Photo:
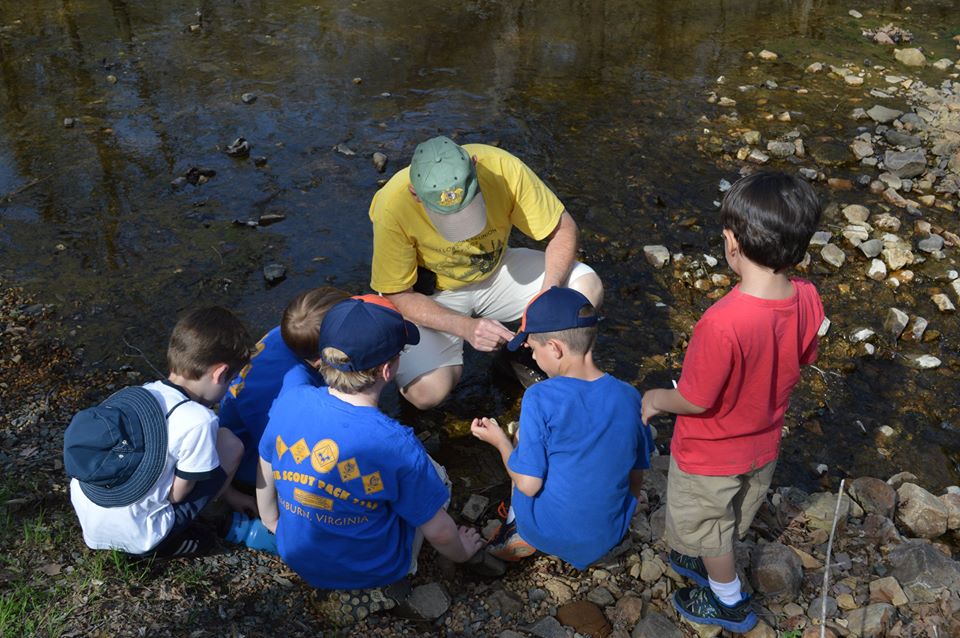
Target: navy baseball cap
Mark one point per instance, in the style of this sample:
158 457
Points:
368 329
117 449
550 311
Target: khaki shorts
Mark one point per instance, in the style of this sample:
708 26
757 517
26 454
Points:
501 296
704 513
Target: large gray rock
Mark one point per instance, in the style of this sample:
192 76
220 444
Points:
952 503
899 138
883 114
548 627
874 495
656 625
905 163
429 601
871 621
819 509
871 248
920 513
776 570
923 571
504 602
833 255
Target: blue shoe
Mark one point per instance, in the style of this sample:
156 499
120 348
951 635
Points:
691 567
252 533
701 605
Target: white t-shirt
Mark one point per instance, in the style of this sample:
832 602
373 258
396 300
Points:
191 450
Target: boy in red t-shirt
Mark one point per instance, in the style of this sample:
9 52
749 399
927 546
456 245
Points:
742 363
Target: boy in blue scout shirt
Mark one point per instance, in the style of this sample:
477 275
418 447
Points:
290 346
577 466
349 491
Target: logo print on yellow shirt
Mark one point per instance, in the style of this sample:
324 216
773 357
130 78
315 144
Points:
325 455
281 448
451 197
300 451
348 470
312 500
372 483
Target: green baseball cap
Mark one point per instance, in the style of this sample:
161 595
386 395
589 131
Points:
444 177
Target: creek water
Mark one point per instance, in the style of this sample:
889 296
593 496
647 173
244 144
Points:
603 99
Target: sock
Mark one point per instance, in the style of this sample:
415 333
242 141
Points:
512 515
728 593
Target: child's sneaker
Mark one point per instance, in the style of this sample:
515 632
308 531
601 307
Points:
507 544
701 605
691 567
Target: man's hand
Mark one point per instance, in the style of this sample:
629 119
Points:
471 540
489 431
486 335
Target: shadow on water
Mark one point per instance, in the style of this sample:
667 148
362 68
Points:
601 98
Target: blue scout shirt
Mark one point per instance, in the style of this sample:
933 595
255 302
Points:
582 438
352 487
244 408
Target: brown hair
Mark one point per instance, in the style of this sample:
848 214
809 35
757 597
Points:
346 381
208 336
300 325
578 340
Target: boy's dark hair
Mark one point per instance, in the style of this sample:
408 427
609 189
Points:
772 216
578 340
206 337
300 325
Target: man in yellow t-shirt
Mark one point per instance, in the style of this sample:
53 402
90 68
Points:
440 233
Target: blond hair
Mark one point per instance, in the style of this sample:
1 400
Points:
345 380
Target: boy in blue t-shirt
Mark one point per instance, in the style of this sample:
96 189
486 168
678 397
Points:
581 444
349 491
291 346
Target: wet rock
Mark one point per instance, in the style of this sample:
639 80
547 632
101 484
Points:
727 102
627 611
657 256
559 591
856 233
931 244
897 255
69 122
585 618
883 114
379 161
239 148
816 67
923 571
198 176
652 569
751 137
112 79
260 161
861 149
548 627
871 248
952 502
871 621
877 270
920 513
855 213
776 570
860 335
767 55
886 222
943 64
274 273
874 496
248 98
910 57
429 601
268 219
824 327
758 157
917 328
891 181
816 605
943 302
656 625
899 138
819 508
343 149
474 507
893 197
924 361
895 323
821 238
905 163
833 255
600 596
887 590
781 149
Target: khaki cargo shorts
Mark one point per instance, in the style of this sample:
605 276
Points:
704 513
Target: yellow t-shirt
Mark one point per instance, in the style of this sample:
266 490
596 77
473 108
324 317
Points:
404 238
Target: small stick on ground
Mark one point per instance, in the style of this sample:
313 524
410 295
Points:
826 567
140 354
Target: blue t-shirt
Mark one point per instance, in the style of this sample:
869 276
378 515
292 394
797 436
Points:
352 487
244 408
582 438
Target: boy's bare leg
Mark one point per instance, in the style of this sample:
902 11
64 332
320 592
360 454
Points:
721 569
230 451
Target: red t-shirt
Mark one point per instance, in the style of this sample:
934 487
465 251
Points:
742 363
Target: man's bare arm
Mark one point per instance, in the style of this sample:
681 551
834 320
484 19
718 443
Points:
484 335
561 251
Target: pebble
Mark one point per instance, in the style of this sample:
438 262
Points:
861 334
274 273
883 114
871 247
821 238
248 98
758 157
896 322
855 213
924 361
833 255
781 149
910 57
943 302
905 163
379 161
931 244
69 122
853 13
768 55
877 270
239 148
853 80
657 256
824 327
943 64
861 149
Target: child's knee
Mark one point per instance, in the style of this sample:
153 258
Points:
229 449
